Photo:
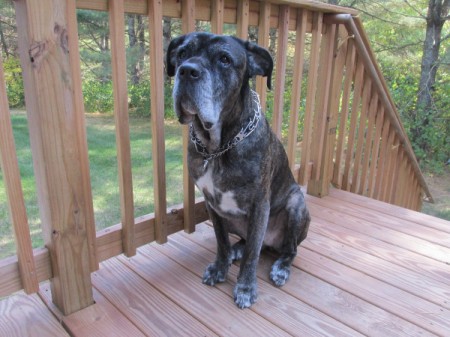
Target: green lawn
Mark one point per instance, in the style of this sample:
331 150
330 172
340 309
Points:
103 164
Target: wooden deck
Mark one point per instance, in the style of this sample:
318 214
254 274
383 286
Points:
366 268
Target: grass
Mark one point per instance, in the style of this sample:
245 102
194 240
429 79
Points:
439 185
103 167
105 188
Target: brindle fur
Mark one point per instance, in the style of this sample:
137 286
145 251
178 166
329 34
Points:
249 190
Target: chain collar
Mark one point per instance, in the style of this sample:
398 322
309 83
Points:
244 133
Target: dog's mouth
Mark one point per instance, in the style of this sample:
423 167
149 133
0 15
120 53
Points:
185 111
188 111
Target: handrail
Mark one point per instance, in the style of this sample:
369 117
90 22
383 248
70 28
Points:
370 64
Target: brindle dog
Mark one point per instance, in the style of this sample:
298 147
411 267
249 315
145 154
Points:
235 159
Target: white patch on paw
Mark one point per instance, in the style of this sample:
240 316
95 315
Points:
279 275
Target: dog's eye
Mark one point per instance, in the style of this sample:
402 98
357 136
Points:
225 60
181 54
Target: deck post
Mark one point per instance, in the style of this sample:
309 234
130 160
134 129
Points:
48 45
325 118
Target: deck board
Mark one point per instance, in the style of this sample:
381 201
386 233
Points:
275 305
26 315
366 268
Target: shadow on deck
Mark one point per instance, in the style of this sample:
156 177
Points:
366 268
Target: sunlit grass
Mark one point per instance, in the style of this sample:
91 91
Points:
103 172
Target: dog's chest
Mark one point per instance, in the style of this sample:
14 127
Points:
223 201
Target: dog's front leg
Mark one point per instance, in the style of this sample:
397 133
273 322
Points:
245 291
216 272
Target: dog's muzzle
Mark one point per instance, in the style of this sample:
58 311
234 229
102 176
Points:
193 96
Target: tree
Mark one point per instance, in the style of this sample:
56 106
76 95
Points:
136 51
93 31
437 15
408 40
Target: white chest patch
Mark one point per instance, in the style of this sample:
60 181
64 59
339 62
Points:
205 182
228 204
225 201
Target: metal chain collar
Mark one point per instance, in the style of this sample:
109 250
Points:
244 133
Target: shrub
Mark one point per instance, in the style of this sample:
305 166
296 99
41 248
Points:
98 96
14 82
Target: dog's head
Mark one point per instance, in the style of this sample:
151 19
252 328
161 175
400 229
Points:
210 72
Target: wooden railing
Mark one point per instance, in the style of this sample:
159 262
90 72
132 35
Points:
351 135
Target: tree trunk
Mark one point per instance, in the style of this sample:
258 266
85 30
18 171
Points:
132 38
437 12
3 42
167 36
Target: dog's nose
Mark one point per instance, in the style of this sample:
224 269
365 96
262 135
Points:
189 71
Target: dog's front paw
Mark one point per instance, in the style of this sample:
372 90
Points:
280 273
213 274
245 295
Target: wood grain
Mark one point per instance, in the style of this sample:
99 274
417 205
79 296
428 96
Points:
325 117
140 300
274 304
120 92
280 67
242 21
26 315
217 13
58 142
299 59
205 303
263 41
342 133
188 25
341 305
9 168
157 115
310 95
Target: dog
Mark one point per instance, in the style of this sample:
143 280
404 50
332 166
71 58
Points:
235 159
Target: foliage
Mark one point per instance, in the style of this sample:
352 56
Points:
98 96
396 30
139 98
14 82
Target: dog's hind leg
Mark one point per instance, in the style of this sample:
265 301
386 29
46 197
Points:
298 223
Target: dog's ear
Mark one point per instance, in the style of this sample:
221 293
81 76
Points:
259 62
171 56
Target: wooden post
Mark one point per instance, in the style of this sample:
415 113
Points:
119 74
368 154
157 114
312 86
48 45
243 12
263 41
342 135
217 9
361 134
324 121
375 161
278 105
16 203
358 82
299 58
188 17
